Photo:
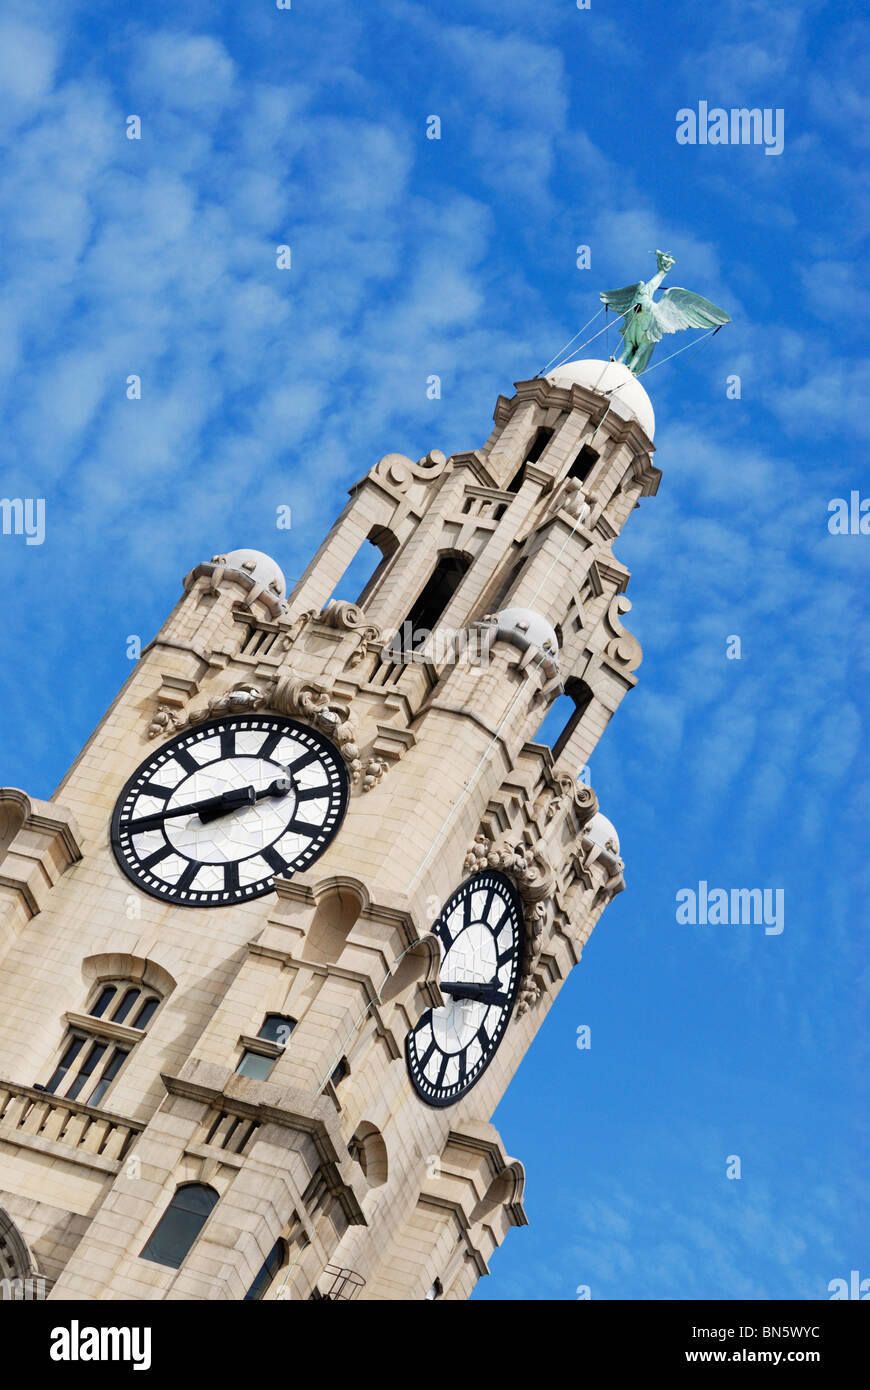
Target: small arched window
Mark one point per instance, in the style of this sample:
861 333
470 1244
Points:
90 1056
538 443
276 1257
583 463
367 1148
173 1236
366 568
564 715
431 602
579 692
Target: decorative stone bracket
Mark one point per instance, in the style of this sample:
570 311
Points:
532 871
623 649
349 617
39 841
535 878
309 701
564 791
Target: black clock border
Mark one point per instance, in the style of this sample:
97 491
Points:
440 1102
227 721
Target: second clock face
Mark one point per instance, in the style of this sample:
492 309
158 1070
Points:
219 810
480 929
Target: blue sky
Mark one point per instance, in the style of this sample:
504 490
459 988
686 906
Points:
414 257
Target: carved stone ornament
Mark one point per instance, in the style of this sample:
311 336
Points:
288 695
564 791
623 649
249 566
351 618
373 772
242 699
400 472
572 499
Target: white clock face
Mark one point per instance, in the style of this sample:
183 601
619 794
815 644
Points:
218 811
480 930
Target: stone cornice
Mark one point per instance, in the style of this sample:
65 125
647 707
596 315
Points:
45 842
216 571
118 1032
541 392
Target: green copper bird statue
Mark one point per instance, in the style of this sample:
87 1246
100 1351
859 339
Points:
647 320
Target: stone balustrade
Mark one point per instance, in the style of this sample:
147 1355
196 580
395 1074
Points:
25 1110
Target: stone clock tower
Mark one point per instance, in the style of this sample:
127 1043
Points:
272 953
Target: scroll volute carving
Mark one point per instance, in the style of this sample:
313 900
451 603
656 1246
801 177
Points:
623 649
400 472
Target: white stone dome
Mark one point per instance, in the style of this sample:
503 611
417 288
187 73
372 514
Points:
602 832
259 566
622 388
526 628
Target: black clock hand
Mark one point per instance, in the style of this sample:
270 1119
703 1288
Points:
215 806
243 796
484 992
158 817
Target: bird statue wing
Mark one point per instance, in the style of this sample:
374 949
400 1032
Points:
620 300
678 309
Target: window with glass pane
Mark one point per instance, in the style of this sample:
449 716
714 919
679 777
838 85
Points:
87 1068
254 1064
107 993
126 1004
110 1071
268 1270
180 1224
277 1028
89 1063
61 1071
144 1016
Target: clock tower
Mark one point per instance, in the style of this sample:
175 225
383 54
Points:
272 953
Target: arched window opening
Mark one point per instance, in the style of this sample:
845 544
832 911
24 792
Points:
366 569
432 601
172 1238
564 715
16 1262
128 1000
584 463
90 1058
541 439
334 918
495 600
276 1257
275 1031
538 444
367 1148
14 810
107 993
518 479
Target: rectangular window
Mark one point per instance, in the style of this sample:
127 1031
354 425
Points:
66 1061
255 1064
110 1071
87 1068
